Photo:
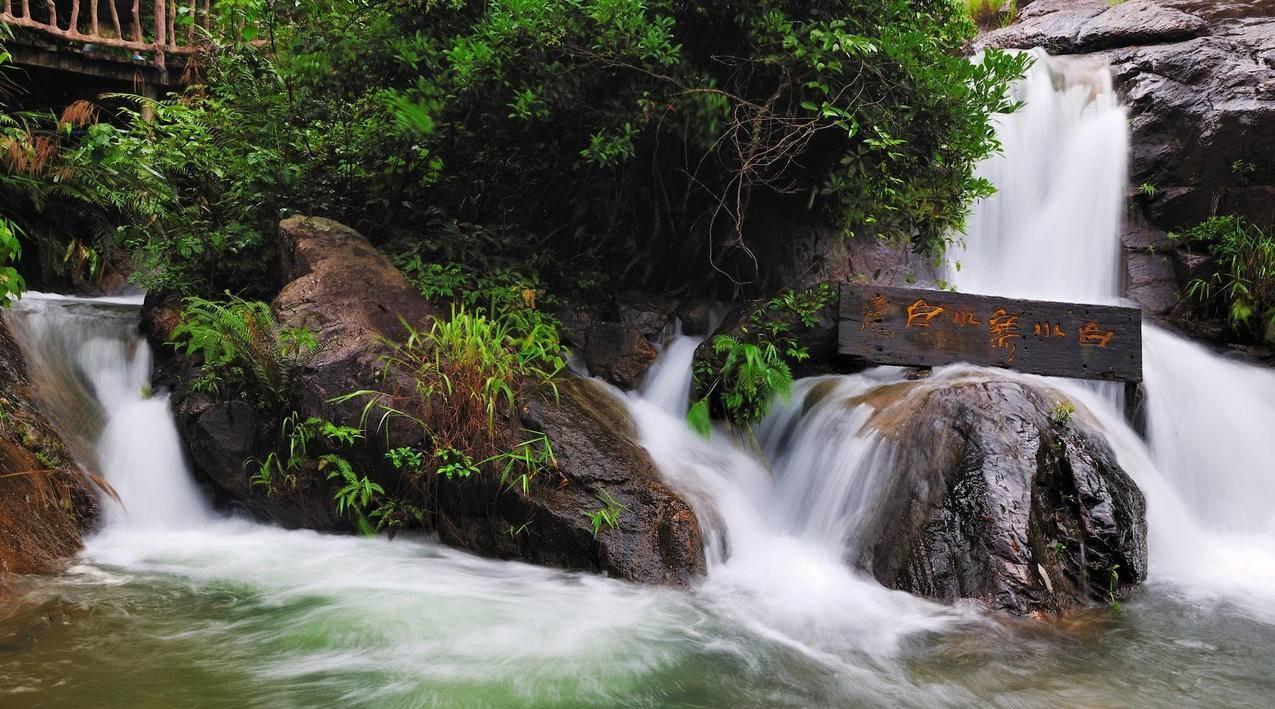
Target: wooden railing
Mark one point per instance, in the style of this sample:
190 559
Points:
154 28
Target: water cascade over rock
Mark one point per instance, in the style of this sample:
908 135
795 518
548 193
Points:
1207 474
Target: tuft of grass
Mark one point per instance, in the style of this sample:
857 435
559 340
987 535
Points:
989 14
1243 288
459 383
608 515
1063 413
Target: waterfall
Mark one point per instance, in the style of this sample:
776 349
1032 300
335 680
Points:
668 383
1048 231
94 378
1053 232
778 515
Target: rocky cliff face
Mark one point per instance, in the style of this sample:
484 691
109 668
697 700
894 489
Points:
1198 77
352 297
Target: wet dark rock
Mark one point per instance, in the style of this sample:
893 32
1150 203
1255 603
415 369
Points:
618 353
658 540
997 496
1077 26
699 316
614 338
645 313
1151 276
224 436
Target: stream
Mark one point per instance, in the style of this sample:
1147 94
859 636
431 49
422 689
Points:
171 604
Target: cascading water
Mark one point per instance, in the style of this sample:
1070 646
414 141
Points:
1048 231
95 378
230 613
1053 232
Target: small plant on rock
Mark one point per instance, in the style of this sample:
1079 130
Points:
1063 413
608 515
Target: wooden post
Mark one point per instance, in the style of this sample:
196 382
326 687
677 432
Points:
74 27
26 9
137 20
53 14
172 24
161 18
194 20
93 23
149 94
115 19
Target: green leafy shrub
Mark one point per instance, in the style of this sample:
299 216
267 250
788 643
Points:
243 346
1243 288
11 284
638 138
750 369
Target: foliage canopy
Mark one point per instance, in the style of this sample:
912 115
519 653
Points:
651 141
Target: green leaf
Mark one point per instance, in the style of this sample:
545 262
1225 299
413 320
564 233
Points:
698 419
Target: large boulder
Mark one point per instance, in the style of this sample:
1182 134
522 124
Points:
352 297
46 499
614 339
998 493
355 301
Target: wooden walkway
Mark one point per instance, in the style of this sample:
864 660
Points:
109 39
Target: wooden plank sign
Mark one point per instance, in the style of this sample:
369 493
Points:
924 328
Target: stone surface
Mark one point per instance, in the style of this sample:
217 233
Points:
348 293
46 499
615 338
658 539
1076 26
353 298
993 497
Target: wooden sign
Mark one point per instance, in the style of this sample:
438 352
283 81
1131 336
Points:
924 328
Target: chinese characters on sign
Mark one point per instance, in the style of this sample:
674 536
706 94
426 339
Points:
1003 327
912 327
874 318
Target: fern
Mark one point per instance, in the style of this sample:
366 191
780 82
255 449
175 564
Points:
241 338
